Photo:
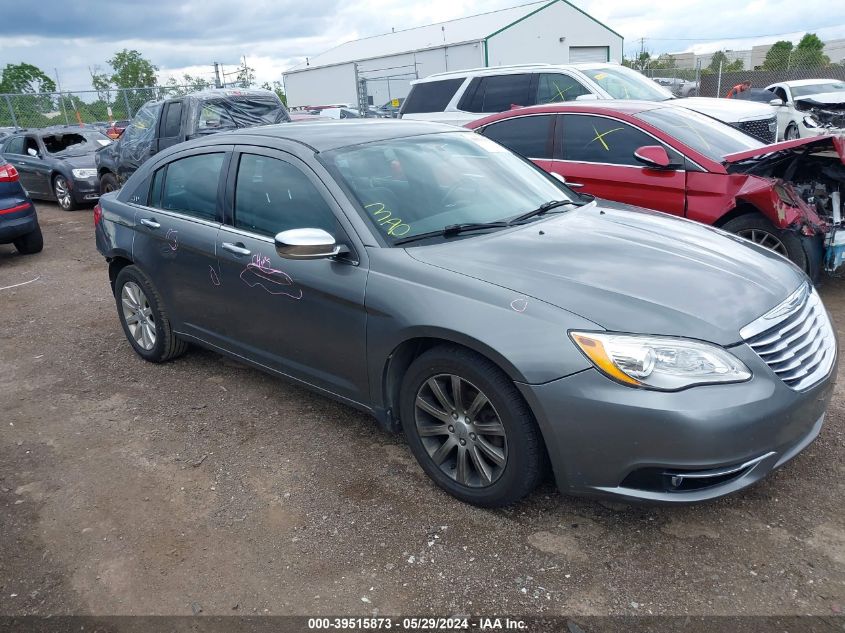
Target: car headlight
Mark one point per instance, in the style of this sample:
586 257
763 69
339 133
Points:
664 363
84 173
811 122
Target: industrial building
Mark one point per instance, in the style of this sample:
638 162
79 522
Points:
551 32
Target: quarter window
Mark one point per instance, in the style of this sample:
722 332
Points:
272 195
592 139
190 186
530 136
557 88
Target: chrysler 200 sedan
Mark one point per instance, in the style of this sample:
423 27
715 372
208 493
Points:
505 323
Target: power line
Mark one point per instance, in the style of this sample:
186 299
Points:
738 37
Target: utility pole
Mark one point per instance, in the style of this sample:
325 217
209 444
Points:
217 83
61 98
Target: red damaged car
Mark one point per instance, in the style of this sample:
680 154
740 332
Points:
784 196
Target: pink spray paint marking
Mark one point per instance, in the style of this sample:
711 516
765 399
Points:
259 272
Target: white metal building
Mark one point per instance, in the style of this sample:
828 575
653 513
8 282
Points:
551 32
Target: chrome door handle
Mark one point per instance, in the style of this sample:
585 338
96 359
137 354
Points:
150 223
237 250
574 185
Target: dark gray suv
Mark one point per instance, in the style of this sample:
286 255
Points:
429 276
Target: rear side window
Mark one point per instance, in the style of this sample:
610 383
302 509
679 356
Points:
431 96
172 119
593 139
190 186
497 93
530 136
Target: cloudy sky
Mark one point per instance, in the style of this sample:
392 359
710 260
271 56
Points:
188 35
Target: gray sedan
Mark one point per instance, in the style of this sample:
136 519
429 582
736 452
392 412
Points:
505 323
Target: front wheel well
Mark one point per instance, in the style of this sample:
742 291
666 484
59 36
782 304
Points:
743 208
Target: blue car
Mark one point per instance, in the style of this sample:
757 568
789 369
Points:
18 220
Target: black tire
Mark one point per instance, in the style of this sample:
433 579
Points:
166 346
30 243
524 451
755 224
108 182
791 132
64 197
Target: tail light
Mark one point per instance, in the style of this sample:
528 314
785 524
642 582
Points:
98 214
8 173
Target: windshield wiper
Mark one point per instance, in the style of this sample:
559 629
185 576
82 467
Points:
543 208
454 229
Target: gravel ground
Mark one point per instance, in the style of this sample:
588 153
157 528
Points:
131 488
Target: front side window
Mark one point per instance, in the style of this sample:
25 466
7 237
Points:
593 139
529 136
624 83
409 186
431 96
557 88
190 185
272 195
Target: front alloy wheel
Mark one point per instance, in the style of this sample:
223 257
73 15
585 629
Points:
138 315
63 193
461 430
765 239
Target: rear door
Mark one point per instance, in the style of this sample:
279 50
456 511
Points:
498 93
303 318
598 153
531 136
176 232
14 153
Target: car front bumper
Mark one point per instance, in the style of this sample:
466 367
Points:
85 189
607 439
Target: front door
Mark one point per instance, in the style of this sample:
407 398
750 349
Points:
304 318
598 153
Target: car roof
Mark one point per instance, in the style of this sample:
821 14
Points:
517 68
807 82
328 135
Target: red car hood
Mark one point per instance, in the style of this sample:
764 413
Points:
820 143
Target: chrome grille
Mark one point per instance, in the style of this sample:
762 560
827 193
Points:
795 339
764 129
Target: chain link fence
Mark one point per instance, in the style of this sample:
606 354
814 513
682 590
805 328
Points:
37 110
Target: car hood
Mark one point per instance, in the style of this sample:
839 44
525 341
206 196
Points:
629 270
728 110
832 146
77 161
824 99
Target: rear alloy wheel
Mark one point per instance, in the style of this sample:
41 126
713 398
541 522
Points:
142 316
64 195
469 428
755 228
791 133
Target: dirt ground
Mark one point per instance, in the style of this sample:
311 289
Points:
205 486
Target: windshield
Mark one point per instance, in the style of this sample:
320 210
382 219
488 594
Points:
410 186
819 88
231 113
81 142
707 136
623 83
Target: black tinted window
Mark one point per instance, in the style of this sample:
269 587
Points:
431 96
501 92
593 139
14 145
273 196
557 88
530 136
172 119
190 185
155 189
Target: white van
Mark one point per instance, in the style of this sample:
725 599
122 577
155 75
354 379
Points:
466 95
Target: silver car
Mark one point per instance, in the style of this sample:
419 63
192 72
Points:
430 277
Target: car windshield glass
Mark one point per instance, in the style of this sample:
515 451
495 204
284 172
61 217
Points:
410 186
230 113
819 88
707 136
74 142
624 83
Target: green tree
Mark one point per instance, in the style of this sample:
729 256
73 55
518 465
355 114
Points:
131 70
246 75
189 84
718 61
778 56
25 78
809 53
276 87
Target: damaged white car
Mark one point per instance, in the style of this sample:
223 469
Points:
810 107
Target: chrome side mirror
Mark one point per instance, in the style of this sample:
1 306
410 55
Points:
777 102
307 244
32 152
